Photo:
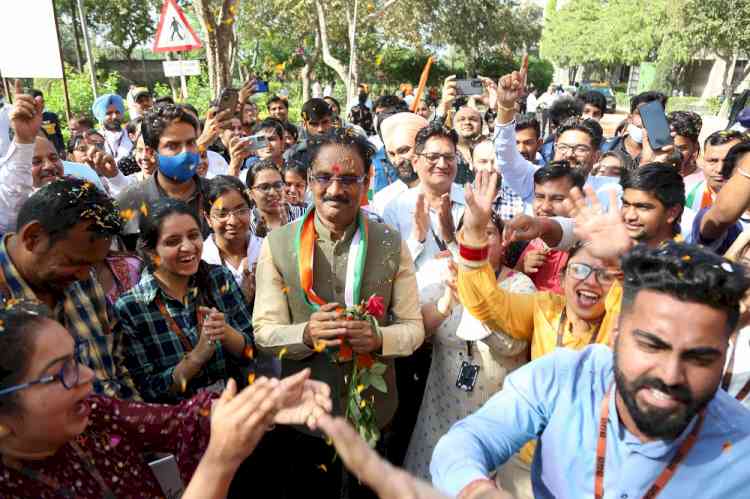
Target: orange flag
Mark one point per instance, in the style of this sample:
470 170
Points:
422 84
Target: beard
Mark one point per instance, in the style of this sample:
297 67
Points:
113 125
662 424
405 171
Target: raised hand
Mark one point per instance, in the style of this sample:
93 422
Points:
421 219
215 123
101 162
533 260
303 400
247 90
604 232
445 216
511 88
521 228
449 94
238 153
26 116
479 207
491 88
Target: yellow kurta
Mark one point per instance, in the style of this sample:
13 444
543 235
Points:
533 317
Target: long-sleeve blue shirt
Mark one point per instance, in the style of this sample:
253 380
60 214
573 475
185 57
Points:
558 399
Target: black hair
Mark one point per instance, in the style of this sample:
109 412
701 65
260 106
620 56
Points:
78 137
733 156
220 185
292 129
687 272
163 100
18 321
661 180
559 169
338 105
276 98
150 230
160 118
83 119
722 137
645 98
191 108
270 124
593 98
36 93
626 161
587 126
563 109
257 167
134 125
294 167
64 203
686 123
390 102
434 130
526 121
343 137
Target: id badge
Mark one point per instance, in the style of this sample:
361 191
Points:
467 376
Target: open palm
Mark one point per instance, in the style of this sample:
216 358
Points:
479 200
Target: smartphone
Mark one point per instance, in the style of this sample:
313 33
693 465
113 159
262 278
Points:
655 122
255 142
261 86
469 87
228 99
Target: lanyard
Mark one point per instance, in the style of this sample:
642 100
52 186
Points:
727 379
561 329
174 327
666 474
53 483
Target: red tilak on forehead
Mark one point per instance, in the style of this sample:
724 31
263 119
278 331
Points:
336 168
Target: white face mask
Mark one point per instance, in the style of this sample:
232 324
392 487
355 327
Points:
635 133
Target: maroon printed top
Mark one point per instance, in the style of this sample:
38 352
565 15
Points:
118 434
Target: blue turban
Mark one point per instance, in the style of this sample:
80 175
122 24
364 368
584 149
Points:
103 102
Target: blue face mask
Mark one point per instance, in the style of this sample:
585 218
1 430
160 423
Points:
179 168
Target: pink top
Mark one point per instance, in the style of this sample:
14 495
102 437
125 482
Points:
548 276
118 434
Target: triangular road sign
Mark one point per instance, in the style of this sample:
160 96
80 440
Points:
174 33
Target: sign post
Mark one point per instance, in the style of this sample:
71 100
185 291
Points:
174 34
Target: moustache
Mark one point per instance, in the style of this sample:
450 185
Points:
336 199
679 392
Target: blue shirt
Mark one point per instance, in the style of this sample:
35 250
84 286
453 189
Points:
720 245
384 173
558 398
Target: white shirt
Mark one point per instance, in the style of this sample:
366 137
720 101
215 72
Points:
16 183
4 129
387 194
118 144
217 165
118 183
211 255
531 103
399 213
741 366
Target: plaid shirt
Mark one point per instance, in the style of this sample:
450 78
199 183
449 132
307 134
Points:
507 203
83 312
152 350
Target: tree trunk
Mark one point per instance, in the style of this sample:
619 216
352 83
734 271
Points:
728 84
310 60
76 37
328 58
220 41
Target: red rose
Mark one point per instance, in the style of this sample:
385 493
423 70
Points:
375 306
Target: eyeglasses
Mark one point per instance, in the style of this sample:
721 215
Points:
434 157
579 149
68 375
582 271
223 215
324 180
266 188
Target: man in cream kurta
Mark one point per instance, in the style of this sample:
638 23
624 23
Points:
284 321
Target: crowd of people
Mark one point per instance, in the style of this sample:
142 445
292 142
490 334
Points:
516 304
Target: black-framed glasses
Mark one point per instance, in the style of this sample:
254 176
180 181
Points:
434 157
68 375
266 188
582 271
579 149
325 180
